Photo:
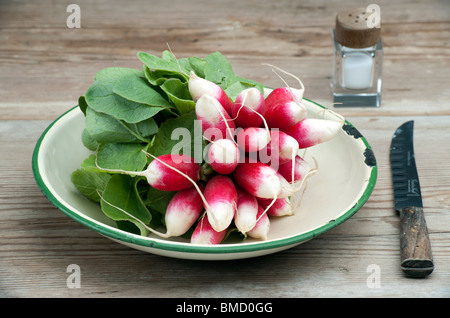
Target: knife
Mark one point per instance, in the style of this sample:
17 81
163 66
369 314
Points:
415 248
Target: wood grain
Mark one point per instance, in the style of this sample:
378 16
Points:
415 247
44 67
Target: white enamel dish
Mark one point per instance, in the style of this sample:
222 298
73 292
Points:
345 180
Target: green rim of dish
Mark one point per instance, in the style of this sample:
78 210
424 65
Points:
126 237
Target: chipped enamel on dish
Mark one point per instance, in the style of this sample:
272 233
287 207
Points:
346 177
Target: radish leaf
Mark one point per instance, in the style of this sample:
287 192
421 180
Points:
89 182
179 135
128 157
121 191
137 89
101 98
179 95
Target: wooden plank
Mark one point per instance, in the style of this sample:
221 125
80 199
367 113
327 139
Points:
42 242
69 64
31 46
399 96
118 13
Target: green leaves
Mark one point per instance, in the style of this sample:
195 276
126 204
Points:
136 89
182 135
167 64
113 74
179 95
121 194
103 128
218 70
128 157
119 107
89 182
101 98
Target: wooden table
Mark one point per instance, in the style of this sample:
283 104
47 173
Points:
45 66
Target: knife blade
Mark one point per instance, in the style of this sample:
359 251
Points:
415 247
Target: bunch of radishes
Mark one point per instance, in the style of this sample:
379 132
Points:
244 189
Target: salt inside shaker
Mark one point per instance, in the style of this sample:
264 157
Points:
358 57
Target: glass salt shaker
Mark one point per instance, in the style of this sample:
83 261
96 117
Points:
358 57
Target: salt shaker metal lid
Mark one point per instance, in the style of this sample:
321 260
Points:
353 30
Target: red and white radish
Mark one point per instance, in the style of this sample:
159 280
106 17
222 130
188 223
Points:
283 94
160 176
262 226
183 211
281 148
313 131
246 212
199 86
281 207
258 179
294 171
248 108
221 195
171 172
205 234
285 114
214 119
252 139
223 156
287 189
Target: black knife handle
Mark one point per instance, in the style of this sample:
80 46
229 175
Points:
415 247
